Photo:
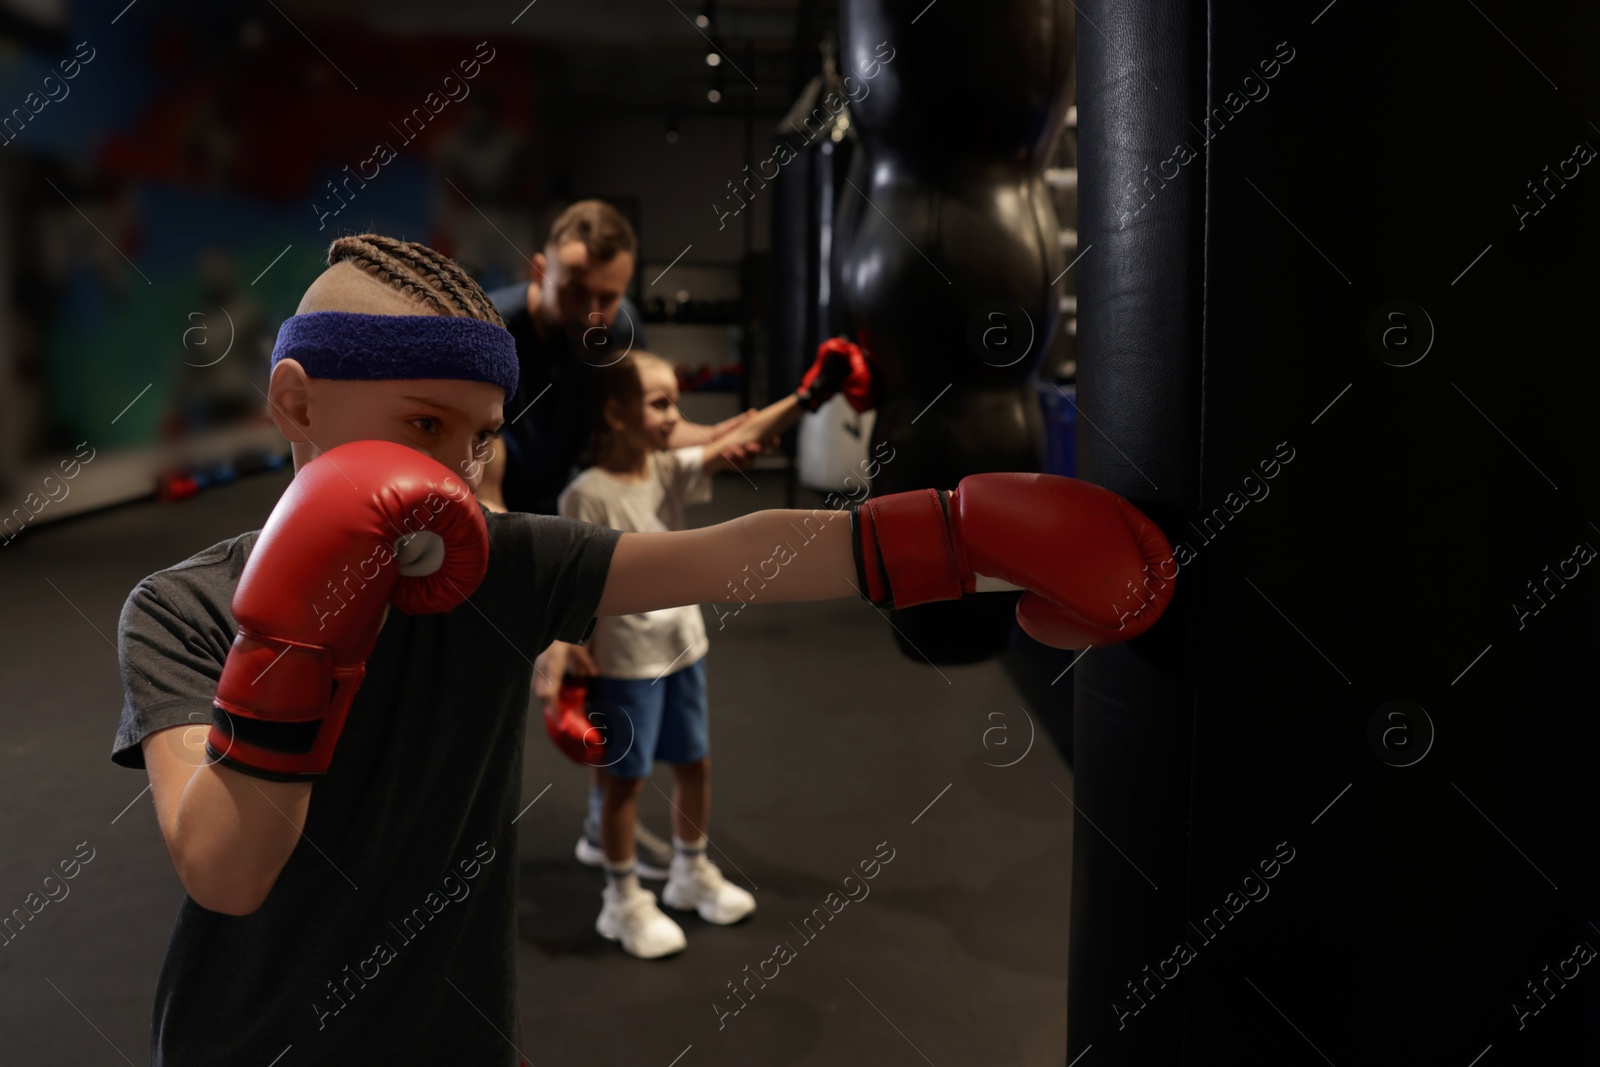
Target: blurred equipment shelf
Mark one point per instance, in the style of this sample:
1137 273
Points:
43 494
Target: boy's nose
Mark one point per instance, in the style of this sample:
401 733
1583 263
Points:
465 463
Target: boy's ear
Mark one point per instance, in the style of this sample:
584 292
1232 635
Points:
289 400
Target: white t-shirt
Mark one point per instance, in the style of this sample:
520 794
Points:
668 639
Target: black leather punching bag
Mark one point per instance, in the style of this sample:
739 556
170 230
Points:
948 244
1337 336
806 192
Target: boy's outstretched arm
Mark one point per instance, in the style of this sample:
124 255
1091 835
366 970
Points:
1096 570
799 555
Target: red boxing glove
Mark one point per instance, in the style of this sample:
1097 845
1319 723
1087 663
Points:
840 367
1095 570
361 526
570 729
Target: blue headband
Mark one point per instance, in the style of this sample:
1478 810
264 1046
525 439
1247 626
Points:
352 346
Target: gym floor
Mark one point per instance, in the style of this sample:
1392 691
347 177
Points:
829 748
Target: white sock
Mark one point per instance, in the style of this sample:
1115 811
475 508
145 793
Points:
622 877
689 849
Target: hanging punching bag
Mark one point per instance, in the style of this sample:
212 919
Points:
947 245
1340 807
831 445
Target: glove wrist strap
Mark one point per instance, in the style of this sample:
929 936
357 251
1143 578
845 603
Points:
807 399
280 707
870 578
903 549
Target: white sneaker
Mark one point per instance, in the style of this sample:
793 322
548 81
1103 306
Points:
644 929
699 886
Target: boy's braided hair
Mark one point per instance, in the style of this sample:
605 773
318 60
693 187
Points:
424 275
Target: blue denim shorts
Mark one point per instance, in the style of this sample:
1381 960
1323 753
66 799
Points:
647 721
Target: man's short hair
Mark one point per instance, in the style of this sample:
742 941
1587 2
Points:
602 229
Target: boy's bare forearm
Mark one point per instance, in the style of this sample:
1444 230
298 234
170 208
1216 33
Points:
240 830
763 557
789 555
229 833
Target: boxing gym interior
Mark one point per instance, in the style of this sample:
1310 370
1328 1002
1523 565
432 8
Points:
1308 288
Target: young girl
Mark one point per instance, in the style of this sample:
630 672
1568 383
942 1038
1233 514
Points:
651 683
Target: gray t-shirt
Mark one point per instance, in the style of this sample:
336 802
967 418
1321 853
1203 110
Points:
390 935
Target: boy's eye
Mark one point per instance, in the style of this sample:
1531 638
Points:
430 425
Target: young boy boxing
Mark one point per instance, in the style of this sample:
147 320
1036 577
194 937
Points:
336 782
